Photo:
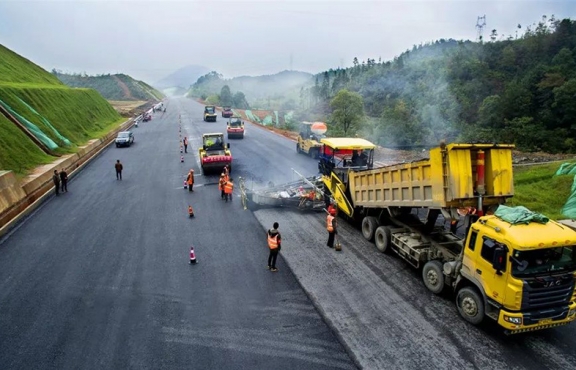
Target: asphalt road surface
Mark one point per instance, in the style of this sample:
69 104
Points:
98 278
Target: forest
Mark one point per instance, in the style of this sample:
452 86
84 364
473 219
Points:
519 90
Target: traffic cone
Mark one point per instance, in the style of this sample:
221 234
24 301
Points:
181 150
190 211
182 158
192 256
337 245
185 185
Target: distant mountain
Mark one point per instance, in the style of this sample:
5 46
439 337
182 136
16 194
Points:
183 77
112 87
258 87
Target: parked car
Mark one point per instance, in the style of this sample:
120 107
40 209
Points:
124 138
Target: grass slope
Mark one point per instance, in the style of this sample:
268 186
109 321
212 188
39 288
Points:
536 188
17 152
16 69
77 114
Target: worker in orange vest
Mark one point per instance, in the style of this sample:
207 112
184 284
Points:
228 188
331 227
274 241
190 180
221 184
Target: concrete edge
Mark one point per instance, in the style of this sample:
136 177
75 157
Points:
322 313
80 164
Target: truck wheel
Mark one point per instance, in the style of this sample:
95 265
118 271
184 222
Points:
382 238
470 305
298 150
369 226
433 276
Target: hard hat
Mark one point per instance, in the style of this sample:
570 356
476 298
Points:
223 174
332 211
191 170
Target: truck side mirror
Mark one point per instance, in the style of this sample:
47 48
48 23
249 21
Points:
499 260
227 145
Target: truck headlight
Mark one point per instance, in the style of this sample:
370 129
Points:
572 312
513 320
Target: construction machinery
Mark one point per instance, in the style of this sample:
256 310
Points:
309 138
215 153
227 112
210 113
520 275
303 194
235 128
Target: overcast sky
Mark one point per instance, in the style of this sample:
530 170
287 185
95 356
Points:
150 39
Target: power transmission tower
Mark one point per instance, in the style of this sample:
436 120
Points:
480 24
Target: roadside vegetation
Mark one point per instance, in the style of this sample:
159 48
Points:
69 117
537 188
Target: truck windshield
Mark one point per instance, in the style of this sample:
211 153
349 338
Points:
542 261
209 110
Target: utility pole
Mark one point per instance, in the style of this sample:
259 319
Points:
480 24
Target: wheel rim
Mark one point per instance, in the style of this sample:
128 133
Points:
469 306
432 277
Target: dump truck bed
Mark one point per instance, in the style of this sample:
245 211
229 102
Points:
448 179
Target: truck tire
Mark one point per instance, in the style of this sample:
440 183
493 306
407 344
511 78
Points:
382 238
369 226
433 276
470 305
314 153
298 149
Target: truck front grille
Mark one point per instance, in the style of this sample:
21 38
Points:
548 291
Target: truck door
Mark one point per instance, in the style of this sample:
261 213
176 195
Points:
493 281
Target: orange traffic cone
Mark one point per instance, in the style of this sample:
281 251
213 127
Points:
185 185
190 211
182 158
192 256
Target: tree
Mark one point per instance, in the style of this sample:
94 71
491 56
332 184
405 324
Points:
348 112
239 101
226 96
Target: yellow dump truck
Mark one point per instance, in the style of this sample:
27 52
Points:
520 275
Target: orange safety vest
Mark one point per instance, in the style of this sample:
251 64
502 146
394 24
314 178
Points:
329 225
226 177
190 179
228 187
221 184
273 241
190 210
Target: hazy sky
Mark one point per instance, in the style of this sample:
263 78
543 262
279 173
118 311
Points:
150 39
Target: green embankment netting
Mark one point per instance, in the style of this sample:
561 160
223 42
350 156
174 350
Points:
268 121
64 140
31 127
251 116
519 215
569 208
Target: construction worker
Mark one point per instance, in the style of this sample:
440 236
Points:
226 172
190 211
331 227
190 180
185 142
221 184
228 188
274 241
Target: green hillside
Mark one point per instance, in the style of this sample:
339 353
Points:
112 87
518 89
62 117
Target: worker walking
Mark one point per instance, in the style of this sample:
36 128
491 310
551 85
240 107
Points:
221 184
185 141
64 181
56 180
228 188
190 180
274 241
119 169
331 227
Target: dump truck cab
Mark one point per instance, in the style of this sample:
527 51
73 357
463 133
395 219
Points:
309 137
210 113
215 153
